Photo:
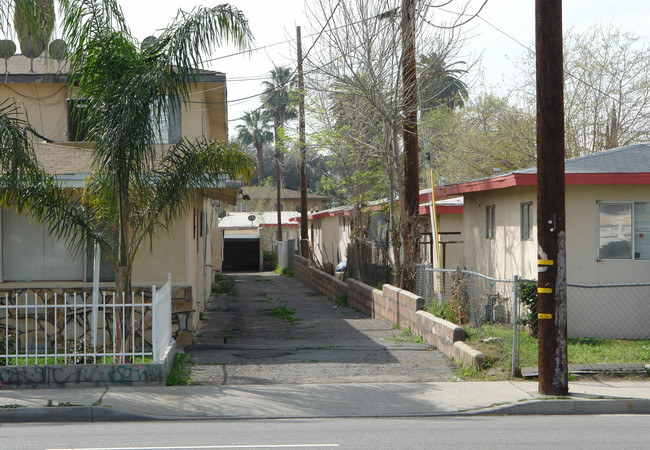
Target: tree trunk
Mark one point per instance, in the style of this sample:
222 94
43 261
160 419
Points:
260 163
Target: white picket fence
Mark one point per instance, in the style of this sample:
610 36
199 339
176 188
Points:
74 329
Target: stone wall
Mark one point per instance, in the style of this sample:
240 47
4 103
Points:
69 326
395 306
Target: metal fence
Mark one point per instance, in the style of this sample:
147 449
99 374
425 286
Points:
64 329
607 324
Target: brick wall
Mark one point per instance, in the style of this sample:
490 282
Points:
394 306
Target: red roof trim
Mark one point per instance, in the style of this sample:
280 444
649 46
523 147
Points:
530 179
441 209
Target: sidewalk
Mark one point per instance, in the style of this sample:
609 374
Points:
322 360
318 401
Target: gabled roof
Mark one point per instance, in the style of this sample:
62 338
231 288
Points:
620 166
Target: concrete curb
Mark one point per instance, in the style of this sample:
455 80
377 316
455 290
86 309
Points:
70 414
79 414
569 407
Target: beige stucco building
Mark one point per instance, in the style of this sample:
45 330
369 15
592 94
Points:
32 258
607 236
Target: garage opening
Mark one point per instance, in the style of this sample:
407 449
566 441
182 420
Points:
241 253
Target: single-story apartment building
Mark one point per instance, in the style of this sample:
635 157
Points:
607 235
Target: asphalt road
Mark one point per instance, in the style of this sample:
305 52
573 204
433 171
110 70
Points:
552 432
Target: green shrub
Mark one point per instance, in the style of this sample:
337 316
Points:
270 260
445 311
528 297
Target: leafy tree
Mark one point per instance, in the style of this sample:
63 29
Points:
135 190
255 131
472 142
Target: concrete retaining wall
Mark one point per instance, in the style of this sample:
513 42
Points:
395 306
87 375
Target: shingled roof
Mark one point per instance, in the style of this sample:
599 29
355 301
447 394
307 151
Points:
623 165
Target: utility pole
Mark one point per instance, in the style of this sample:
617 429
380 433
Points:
410 135
304 237
552 301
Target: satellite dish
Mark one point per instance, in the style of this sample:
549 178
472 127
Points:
58 49
298 208
252 218
147 42
7 49
223 213
31 48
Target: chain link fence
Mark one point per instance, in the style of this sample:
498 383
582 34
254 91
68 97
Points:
607 324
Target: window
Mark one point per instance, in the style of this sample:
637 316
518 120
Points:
168 128
526 225
624 230
29 253
489 222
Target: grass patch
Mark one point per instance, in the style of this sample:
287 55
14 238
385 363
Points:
53 360
342 300
286 314
180 373
224 284
579 351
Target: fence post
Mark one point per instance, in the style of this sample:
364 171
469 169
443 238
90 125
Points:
515 330
154 322
471 300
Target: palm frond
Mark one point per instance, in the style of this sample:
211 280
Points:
16 152
188 166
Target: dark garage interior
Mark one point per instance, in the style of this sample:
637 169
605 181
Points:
241 254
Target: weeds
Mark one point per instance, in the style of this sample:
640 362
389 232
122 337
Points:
284 271
286 314
224 284
406 335
180 373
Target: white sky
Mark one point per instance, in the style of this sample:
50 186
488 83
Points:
274 22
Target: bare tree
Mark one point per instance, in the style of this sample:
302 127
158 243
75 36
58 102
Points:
607 89
355 81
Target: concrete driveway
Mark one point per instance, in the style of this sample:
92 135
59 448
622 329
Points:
275 330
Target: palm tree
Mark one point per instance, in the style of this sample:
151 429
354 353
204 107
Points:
136 189
276 98
440 83
255 131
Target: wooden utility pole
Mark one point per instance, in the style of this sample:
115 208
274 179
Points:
278 186
304 236
410 135
552 301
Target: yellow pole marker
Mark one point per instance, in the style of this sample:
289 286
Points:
544 262
543 290
544 316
